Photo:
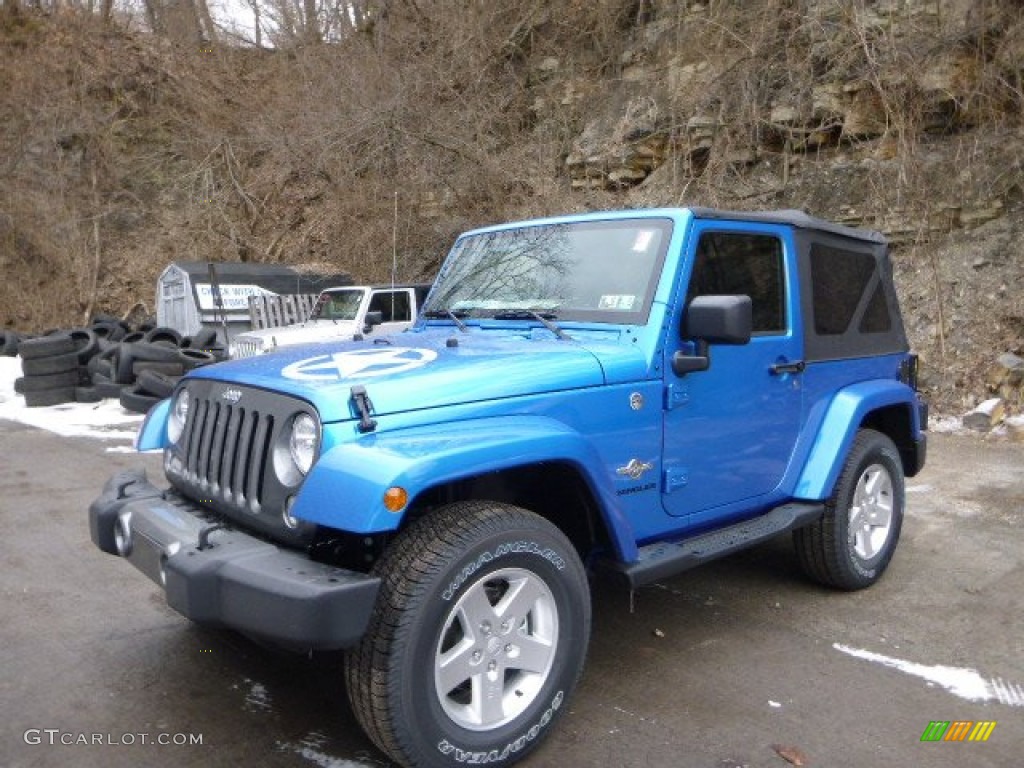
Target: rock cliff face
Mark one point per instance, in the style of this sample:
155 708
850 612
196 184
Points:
123 152
901 116
706 93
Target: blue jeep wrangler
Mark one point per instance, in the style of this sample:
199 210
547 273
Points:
632 393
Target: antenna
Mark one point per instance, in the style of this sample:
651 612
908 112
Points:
394 243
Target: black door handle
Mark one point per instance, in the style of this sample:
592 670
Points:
794 367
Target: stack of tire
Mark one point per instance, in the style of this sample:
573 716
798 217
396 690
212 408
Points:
110 359
51 368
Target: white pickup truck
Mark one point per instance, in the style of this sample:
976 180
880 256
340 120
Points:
339 314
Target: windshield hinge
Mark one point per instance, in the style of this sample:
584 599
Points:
677 393
363 404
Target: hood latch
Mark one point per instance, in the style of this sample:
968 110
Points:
362 402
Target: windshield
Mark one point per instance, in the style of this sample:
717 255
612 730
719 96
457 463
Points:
338 304
601 271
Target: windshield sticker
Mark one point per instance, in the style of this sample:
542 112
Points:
361 364
612 301
643 240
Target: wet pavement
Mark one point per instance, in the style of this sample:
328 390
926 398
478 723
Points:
724 666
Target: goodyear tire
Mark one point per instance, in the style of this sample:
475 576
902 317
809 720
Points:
851 545
478 639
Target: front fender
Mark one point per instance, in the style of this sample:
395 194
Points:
345 489
152 435
844 416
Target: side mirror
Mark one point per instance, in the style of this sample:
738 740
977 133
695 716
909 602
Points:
719 319
713 320
372 318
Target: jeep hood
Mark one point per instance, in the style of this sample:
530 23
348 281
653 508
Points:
415 371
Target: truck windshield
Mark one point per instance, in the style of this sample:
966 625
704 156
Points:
600 271
338 304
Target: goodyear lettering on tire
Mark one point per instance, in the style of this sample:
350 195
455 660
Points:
470 757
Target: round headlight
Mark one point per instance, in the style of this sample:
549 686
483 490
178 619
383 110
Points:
179 415
303 442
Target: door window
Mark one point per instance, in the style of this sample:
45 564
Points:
731 264
393 306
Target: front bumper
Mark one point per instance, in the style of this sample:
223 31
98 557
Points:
220 576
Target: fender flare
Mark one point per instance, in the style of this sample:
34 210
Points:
842 419
345 488
152 435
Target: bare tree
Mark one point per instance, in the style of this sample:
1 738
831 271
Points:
257 25
209 29
310 22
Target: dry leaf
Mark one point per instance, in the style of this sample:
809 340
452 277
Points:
791 754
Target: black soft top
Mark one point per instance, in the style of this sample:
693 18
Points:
794 218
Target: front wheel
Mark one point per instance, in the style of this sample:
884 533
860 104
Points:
478 639
852 544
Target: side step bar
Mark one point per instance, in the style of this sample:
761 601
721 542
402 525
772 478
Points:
663 559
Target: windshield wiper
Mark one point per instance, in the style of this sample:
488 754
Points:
455 317
527 314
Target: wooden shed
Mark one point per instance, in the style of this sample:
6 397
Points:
186 301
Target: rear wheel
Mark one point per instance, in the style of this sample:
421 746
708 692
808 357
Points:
478 639
852 544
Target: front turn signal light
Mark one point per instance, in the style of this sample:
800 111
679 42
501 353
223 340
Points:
395 499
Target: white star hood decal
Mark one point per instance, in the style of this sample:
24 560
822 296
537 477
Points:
358 364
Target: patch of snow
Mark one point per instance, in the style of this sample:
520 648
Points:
258 698
311 747
105 420
946 424
965 683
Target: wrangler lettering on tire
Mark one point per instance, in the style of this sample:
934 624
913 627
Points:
496 599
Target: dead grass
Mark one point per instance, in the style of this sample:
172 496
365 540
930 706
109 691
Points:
121 151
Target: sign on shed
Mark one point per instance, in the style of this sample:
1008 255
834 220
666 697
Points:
185 297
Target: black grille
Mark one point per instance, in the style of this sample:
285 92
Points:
224 460
226 451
